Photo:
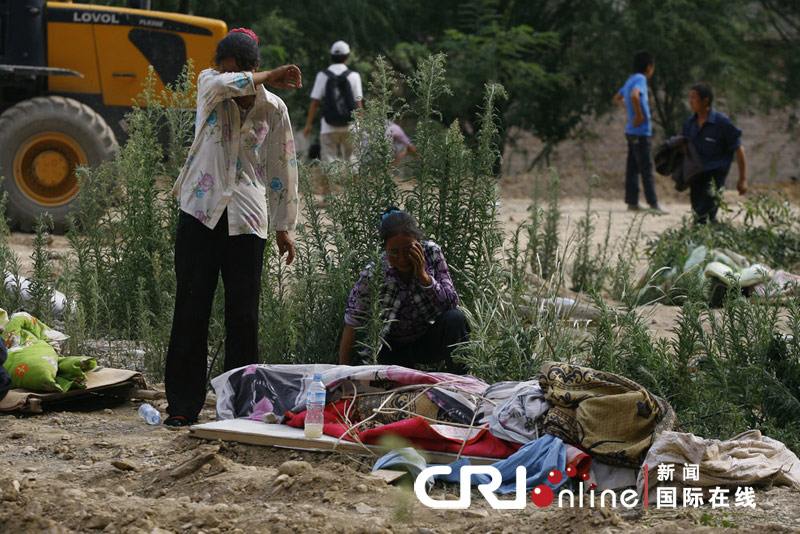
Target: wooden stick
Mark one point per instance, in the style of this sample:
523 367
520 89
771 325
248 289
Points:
193 464
148 394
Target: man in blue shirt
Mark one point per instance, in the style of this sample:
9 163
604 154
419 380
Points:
639 131
717 142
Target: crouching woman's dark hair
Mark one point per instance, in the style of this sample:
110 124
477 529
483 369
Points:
395 221
241 48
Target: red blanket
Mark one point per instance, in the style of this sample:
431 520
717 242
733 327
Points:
415 430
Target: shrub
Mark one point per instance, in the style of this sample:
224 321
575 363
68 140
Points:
740 371
765 231
590 268
11 294
41 285
122 236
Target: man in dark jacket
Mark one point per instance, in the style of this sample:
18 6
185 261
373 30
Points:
717 142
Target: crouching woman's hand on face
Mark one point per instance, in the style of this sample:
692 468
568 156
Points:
417 257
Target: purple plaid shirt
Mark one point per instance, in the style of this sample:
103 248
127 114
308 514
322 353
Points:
408 308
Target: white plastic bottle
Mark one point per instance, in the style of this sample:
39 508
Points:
149 414
315 405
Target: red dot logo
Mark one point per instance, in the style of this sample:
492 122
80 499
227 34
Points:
554 476
542 496
571 471
584 476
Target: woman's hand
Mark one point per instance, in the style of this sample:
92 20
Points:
285 246
417 257
285 77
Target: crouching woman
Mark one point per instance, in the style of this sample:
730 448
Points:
422 323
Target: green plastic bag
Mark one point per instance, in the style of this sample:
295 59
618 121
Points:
34 367
23 329
74 369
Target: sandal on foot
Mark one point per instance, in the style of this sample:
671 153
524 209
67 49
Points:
179 420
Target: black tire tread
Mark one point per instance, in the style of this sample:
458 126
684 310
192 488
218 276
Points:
56 106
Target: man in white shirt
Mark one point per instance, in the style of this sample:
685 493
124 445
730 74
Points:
337 122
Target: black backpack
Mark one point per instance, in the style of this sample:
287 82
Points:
338 103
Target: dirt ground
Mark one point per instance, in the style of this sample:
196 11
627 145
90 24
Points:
108 471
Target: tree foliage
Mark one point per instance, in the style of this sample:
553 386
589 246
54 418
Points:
559 60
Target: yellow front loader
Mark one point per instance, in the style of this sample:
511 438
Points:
68 74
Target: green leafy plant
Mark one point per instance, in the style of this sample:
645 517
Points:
590 267
41 284
722 370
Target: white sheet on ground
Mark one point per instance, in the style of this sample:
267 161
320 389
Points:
749 459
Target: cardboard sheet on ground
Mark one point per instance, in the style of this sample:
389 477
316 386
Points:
104 386
278 435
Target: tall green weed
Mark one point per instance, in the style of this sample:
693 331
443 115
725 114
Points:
742 370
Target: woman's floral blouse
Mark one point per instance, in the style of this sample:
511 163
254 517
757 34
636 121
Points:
247 166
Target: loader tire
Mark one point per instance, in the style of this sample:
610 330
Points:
42 142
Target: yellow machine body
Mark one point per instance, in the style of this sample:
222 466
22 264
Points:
96 42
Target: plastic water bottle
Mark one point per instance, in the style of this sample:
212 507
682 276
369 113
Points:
149 414
315 405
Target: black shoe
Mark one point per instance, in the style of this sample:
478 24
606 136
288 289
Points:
179 421
633 207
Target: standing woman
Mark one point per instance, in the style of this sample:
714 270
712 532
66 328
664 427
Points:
418 299
238 183
717 142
